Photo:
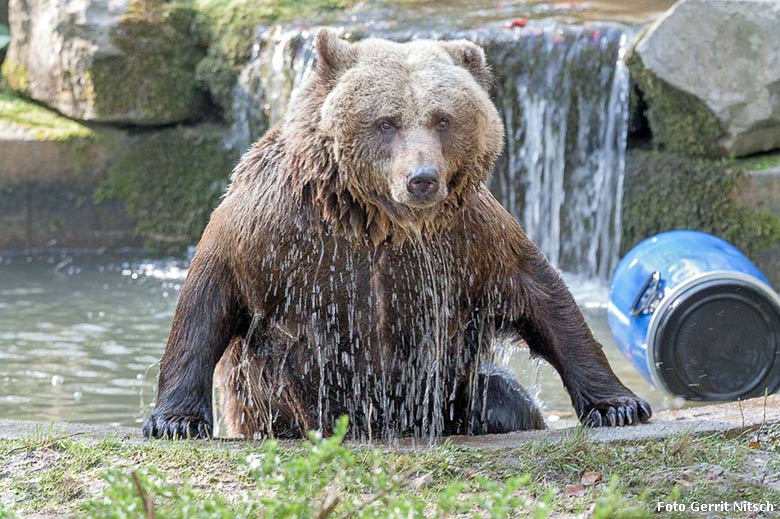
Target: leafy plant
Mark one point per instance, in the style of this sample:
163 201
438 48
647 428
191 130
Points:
322 478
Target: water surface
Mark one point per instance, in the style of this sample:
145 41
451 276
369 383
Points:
81 336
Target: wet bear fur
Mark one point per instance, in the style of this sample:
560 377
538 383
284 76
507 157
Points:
358 265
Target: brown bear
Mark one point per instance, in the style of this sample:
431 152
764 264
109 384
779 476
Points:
358 265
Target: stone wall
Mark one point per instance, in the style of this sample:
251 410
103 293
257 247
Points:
68 185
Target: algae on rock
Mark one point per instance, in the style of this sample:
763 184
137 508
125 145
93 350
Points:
170 181
153 81
664 191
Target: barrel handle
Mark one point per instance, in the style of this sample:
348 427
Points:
647 298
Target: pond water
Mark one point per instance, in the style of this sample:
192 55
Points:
81 336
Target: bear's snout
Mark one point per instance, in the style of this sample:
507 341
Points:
423 181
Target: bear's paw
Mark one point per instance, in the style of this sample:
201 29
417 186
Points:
617 412
174 426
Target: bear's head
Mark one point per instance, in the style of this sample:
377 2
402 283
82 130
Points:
410 129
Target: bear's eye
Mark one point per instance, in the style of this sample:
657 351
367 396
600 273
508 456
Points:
387 126
443 123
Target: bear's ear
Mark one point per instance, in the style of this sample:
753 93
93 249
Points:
471 57
334 55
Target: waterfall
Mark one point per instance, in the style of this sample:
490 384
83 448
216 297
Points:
563 94
281 59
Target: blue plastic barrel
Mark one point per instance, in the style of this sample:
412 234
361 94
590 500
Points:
696 317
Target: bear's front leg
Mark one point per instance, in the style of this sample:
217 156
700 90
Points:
207 317
552 324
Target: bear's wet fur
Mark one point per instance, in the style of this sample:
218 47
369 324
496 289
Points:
358 265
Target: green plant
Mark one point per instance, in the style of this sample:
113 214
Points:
322 478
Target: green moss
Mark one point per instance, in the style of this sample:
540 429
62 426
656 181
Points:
170 181
15 76
758 162
665 191
44 123
153 79
231 26
679 122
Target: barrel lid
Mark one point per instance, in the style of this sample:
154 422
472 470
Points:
718 338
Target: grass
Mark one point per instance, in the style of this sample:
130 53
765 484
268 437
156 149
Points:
324 478
44 123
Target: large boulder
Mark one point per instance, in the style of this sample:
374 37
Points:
124 61
709 71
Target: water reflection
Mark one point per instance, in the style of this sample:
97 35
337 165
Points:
80 336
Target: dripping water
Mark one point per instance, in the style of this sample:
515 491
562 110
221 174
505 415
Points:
562 92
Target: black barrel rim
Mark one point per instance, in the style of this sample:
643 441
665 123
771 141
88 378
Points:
717 338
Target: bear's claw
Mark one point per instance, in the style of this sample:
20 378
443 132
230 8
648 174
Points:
617 413
175 427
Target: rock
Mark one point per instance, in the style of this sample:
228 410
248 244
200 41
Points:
761 191
709 71
46 191
665 191
127 61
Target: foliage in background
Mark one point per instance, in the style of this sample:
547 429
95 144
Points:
664 191
170 180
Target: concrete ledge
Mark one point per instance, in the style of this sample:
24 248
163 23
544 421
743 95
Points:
729 419
47 191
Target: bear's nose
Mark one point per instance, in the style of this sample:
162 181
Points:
423 181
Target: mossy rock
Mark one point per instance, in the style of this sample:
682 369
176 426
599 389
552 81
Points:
233 27
170 181
664 191
711 91
153 81
679 122
131 63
